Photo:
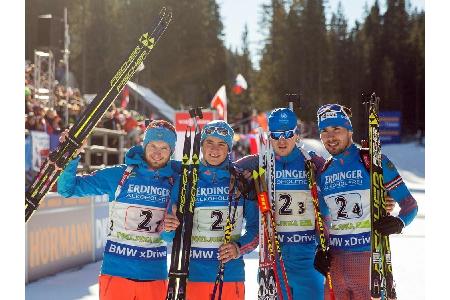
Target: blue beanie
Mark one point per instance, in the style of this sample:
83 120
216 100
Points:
159 131
333 115
211 126
282 119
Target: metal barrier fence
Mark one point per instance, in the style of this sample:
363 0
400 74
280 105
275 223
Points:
104 147
110 145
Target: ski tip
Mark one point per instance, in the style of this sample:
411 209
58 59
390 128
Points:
369 98
196 112
365 97
165 12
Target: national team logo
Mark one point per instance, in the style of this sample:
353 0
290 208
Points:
328 114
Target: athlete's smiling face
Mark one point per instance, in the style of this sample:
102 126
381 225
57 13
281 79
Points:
157 154
336 139
282 146
214 150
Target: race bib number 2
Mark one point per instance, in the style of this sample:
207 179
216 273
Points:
144 219
294 211
346 206
209 226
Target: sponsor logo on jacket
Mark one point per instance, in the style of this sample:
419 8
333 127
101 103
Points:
148 189
291 177
341 176
206 191
290 174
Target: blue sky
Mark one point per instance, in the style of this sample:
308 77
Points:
236 13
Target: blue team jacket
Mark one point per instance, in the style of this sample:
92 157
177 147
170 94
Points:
135 248
345 196
294 211
210 215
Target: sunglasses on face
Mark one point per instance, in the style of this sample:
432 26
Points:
288 134
333 108
219 130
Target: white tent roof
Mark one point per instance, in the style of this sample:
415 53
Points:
157 103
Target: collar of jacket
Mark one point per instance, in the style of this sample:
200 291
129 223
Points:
294 155
212 173
348 155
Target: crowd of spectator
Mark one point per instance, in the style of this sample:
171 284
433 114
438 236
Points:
128 121
50 115
47 114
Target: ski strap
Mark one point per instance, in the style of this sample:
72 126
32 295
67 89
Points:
122 181
125 175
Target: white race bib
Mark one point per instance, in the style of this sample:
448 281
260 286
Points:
294 211
350 212
136 224
209 225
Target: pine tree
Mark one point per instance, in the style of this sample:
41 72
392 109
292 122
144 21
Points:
312 22
271 79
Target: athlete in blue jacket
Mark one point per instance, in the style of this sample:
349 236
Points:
135 256
210 215
345 196
294 211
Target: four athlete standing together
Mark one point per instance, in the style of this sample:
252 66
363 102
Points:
143 197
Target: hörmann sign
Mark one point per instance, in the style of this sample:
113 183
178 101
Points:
59 236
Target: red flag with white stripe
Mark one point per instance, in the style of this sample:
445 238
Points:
240 85
219 102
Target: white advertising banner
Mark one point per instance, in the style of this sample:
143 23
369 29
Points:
40 143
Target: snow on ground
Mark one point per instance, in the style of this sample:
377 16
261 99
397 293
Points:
408 249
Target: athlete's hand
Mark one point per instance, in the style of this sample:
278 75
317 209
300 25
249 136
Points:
388 225
247 175
63 137
228 252
171 221
322 260
390 204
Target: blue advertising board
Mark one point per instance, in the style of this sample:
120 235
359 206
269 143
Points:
390 127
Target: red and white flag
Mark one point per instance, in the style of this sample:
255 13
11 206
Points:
125 97
240 85
219 102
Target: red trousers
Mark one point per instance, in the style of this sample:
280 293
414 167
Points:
118 288
350 276
204 291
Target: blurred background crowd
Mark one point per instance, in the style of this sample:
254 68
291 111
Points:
40 116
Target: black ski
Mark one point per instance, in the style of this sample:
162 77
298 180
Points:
181 247
231 221
381 278
58 159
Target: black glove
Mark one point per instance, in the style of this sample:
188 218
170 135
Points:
322 260
388 225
